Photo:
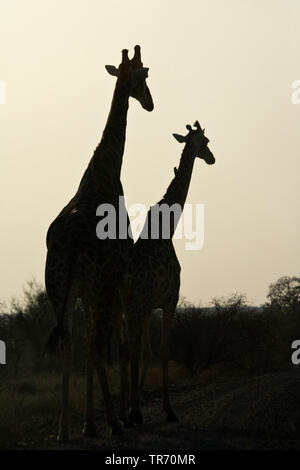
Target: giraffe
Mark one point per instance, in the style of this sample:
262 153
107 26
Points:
154 273
80 265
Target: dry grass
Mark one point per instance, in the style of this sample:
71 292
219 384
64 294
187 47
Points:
26 402
33 401
177 375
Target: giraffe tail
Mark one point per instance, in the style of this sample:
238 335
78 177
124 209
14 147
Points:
61 310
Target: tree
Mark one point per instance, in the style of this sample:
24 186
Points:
285 293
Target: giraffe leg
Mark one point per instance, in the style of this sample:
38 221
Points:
135 331
99 354
63 431
100 318
114 425
124 384
123 365
89 429
170 415
147 352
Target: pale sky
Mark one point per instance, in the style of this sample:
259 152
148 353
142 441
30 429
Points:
228 63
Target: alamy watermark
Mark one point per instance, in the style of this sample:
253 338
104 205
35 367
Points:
163 219
296 354
295 98
2 92
2 352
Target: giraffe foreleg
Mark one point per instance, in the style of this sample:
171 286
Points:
89 429
124 384
170 415
147 352
98 344
123 365
135 332
137 322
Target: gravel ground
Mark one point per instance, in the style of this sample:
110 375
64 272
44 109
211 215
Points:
253 413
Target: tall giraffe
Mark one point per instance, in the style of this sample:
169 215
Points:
80 265
154 271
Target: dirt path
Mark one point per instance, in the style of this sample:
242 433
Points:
257 413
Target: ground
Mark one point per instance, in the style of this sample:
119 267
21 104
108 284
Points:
261 412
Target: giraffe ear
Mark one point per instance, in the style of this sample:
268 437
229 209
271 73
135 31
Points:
112 70
179 138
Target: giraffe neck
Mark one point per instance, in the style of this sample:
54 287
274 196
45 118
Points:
179 186
111 147
176 195
103 172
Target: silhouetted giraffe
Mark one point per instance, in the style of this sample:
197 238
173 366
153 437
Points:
154 272
80 265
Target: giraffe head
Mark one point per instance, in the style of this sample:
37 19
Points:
131 73
198 141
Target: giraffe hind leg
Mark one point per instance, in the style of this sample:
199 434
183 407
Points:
63 432
89 429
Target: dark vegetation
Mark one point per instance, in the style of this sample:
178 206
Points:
230 336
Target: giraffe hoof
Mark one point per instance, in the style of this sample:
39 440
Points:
89 431
136 417
171 417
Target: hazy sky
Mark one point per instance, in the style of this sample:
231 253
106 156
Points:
228 63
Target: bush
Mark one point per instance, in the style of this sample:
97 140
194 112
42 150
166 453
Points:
229 333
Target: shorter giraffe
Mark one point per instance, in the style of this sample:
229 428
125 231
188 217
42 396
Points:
154 272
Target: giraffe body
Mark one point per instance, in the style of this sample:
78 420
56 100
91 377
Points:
154 276
79 265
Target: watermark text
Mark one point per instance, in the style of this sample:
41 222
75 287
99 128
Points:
2 92
295 97
2 352
296 354
162 221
